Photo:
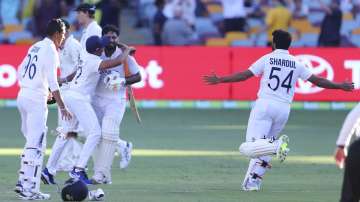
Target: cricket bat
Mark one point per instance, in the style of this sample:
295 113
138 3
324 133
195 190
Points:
130 94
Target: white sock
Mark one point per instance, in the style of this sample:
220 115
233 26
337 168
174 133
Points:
57 149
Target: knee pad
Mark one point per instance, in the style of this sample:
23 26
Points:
258 148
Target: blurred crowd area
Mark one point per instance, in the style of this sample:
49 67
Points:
245 23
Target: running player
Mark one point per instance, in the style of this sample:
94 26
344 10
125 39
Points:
279 72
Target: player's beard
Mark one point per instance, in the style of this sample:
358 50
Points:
110 49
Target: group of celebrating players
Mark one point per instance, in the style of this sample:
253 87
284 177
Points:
90 94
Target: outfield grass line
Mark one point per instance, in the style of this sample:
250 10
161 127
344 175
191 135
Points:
318 159
233 127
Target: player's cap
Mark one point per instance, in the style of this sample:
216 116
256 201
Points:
85 7
74 190
94 43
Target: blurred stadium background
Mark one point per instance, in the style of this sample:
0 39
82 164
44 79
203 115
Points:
211 22
186 149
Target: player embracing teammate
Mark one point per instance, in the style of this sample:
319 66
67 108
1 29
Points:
87 72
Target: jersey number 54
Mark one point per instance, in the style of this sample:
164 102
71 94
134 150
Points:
286 83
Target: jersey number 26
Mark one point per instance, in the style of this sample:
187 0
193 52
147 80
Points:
30 67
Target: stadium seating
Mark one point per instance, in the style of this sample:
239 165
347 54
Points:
216 42
316 17
205 26
10 28
355 39
244 43
232 36
305 31
309 39
348 26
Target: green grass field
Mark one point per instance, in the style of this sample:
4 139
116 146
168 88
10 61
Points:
191 155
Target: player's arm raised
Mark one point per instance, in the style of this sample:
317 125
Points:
123 47
214 79
106 64
132 73
324 83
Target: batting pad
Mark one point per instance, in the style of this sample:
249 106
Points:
260 147
31 168
104 154
105 157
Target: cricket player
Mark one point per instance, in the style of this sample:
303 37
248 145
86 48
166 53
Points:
351 184
70 60
78 99
351 126
37 73
109 103
279 72
85 17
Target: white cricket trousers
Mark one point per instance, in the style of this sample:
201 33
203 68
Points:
85 114
33 121
267 119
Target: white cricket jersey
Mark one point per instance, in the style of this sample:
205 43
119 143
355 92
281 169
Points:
279 71
351 126
87 76
92 29
70 57
38 70
101 89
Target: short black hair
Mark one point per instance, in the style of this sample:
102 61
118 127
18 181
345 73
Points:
110 28
87 8
55 25
159 3
66 23
281 39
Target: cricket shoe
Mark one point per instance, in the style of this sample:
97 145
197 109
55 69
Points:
80 174
46 177
36 196
126 155
252 184
283 149
99 178
18 187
